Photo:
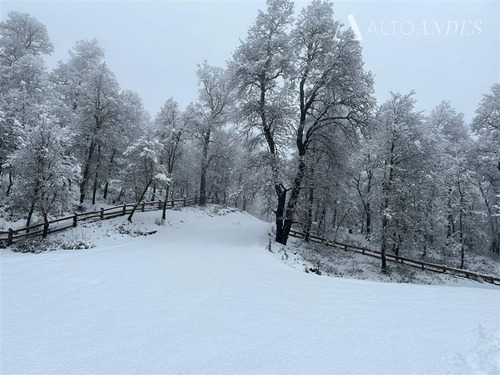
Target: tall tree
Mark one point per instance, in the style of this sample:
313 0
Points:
21 35
260 64
23 87
211 114
143 168
486 126
92 96
131 124
401 147
322 66
170 126
46 175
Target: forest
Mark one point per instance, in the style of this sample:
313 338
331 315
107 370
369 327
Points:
289 130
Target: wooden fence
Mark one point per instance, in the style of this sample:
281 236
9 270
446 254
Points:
401 260
57 225
63 223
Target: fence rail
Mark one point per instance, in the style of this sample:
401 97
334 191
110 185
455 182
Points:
43 229
401 260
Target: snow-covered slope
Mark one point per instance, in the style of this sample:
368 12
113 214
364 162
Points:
204 296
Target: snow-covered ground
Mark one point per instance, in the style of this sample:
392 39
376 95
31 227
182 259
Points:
203 295
340 263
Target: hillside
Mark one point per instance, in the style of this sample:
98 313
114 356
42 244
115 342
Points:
203 295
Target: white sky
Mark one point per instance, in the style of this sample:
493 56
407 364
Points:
153 46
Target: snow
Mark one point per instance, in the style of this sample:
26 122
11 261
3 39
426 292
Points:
341 263
204 295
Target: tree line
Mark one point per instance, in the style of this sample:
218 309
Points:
289 129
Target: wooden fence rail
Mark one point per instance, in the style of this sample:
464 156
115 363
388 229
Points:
43 229
401 260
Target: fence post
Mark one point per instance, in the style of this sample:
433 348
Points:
75 220
184 201
142 209
173 202
10 240
124 209
159 204
101 216
45 226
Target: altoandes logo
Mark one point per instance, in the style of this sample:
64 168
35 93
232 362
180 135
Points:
409 28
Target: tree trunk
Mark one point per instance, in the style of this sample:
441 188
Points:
384 243
122 190
94 189
105 194
30 215
461 227
493 221
497 247
106 185
139 201
451 226
293 201
164 209
86 172
322 219
96 175
335 213
368 209
281 237
368 222
462 245
204 167
244 207
153 196
10 182
385 205
309 214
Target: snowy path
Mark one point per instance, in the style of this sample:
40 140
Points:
204 296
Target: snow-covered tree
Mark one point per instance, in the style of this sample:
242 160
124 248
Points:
92 97
210 114
21 35
23 85
486 126
46 177
132 122
170 127
144 168
259 65
299 81
402 147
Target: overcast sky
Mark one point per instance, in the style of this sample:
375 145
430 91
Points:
447 50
